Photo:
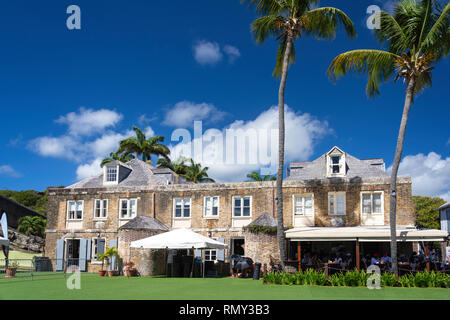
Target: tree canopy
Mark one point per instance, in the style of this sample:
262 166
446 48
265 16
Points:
426 211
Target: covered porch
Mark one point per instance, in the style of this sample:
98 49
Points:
336 249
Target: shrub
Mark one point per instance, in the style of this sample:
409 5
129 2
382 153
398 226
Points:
388 279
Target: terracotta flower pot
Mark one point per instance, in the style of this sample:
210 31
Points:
101 273
10 272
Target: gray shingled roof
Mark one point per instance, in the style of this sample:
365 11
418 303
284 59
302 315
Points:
265 220
144 223
317 169
142 174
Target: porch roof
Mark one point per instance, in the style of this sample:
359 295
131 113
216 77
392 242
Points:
364 234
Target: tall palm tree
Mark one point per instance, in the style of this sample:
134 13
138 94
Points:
178 166
196 174
143 146
256 176
288 20
113 156
417 37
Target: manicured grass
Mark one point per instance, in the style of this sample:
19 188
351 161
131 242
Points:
23 258
95 287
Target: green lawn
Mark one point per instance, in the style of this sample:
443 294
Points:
23 258
95 287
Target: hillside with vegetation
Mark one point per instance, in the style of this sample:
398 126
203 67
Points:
35 200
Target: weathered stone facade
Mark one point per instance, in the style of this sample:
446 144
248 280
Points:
158 202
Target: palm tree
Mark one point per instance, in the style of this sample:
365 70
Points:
417 37
178 166
29 225
196 174
288 20
113 156
143 146
255 176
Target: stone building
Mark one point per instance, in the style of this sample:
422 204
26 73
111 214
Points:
335 191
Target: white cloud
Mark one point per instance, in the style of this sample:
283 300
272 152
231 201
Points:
89 169
448 142
87 121
430 174
207 53
9 171
253 153
232 52
86 147
184 113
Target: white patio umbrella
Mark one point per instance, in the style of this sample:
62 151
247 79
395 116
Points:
178 239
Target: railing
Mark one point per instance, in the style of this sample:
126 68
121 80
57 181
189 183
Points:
37 267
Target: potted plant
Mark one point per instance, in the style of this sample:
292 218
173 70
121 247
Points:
11 269
107 257
129 269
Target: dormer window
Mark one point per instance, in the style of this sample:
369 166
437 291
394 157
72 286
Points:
336 163
335 168
111 174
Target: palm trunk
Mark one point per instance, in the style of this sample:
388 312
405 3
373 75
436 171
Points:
395 166
281 138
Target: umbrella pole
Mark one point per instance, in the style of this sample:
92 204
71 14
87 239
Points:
193 262
203 260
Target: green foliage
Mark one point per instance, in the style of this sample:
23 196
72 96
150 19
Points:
29 225
142 146
197 174
427 213
108 255
357 278
263 229
417 36
287 21
256 176
178 166
388 279
35 200
113 156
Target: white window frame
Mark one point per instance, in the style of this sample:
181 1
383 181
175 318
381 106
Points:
242 207
211 216
209 253
93 254
129 216
335 194
330 165
76 207
303 196
183 200
102 209
105 174
371 202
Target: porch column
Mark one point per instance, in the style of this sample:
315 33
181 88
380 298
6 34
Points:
427 253
358 266
299 255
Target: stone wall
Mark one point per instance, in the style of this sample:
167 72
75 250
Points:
158 202
260 247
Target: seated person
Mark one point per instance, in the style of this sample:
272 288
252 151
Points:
306 259
385 259
375 259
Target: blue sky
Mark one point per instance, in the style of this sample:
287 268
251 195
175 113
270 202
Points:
147 62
